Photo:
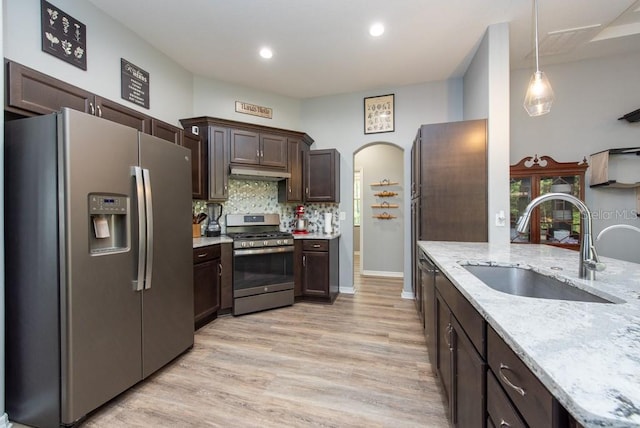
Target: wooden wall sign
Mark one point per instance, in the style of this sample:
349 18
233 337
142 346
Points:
254 110
63 36
134 84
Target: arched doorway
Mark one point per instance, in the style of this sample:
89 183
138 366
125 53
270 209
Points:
378 241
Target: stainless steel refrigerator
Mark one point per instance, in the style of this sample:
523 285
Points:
99 282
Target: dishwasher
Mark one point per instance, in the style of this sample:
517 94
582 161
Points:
428 275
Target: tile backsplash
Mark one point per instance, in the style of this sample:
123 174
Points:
254 196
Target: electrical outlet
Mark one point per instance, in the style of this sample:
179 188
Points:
501 220
343 215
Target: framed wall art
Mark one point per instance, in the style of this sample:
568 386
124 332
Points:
63 36
379 114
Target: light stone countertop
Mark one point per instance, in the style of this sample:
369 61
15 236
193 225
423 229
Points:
205 241
316 236
586 354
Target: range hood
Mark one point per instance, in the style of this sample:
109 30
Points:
245 173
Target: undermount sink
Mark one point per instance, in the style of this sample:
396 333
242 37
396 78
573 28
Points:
528 283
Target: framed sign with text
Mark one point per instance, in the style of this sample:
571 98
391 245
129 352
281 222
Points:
134 84
379 114
63 36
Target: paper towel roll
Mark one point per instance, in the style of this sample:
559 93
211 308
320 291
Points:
328 222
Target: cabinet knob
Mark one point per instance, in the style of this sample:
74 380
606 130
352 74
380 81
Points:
99 110
202 255
304 261
316 245
92 109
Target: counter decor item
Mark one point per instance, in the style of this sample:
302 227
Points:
379 114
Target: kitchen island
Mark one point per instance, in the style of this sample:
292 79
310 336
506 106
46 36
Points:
586 354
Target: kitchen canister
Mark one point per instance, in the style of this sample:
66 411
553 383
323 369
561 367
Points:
328 220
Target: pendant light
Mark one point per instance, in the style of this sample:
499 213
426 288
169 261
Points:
539 95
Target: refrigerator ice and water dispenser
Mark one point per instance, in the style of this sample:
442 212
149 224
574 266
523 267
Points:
109 225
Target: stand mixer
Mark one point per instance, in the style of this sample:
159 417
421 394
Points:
301 224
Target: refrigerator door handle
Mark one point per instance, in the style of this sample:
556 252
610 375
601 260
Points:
149 224
138 283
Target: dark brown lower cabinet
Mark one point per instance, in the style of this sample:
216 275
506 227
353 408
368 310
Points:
484 381
319 273
461 369
207 271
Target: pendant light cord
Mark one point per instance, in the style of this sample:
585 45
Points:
535 4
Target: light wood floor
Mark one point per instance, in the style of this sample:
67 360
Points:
360 362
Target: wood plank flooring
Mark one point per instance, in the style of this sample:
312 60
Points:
360 362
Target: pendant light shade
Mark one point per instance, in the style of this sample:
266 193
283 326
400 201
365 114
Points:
539 95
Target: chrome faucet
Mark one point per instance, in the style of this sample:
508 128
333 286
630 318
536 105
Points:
589 262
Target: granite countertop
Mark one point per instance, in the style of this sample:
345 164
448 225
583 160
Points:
586 354
205 241
314 235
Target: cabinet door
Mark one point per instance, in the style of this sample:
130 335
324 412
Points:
469 371
454 181
218 163
322 176
115 112
273 151
198 164
166 131
206 290
444 348
244 147
290 190
315 280
33 92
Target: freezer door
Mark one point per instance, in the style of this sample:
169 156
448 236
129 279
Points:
168 295
101 313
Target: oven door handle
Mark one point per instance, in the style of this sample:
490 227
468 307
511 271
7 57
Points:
264 250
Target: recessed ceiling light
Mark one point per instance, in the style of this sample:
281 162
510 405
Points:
266 53
376 29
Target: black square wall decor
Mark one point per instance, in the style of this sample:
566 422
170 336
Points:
63 36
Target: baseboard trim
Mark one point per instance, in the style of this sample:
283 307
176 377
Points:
347 290
407 295
4 421
384 274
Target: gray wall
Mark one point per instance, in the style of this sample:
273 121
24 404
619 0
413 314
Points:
337 121
486 96
382 251
171 86
590 96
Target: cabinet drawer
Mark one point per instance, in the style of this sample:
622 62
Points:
472 323
528 394
203 254
501 411
315 245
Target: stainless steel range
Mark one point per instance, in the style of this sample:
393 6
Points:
262 262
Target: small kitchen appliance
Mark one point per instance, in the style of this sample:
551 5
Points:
301 223
215 212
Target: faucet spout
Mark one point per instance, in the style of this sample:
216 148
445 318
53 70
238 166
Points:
589 262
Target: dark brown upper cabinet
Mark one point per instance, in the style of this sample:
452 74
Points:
31 93
254 148
166 131
290 190
198 164
322 176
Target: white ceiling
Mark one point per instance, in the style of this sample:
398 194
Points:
322 47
